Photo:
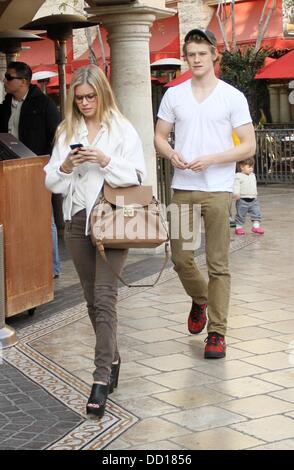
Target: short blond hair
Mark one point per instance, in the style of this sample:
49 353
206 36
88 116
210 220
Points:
198 40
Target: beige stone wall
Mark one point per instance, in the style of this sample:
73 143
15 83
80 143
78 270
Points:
193 14
73 7
153 3
53 7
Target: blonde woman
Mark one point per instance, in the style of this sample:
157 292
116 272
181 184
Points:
93 144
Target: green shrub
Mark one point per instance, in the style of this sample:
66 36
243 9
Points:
238 68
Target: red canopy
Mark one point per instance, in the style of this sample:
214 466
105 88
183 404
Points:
186 75
42 53
180 79
54 81
281 68
164 42
247 14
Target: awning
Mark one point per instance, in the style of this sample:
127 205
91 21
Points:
54 81
187 75
180 79
247 17
42 53
167 62
164 42
13 13
282 68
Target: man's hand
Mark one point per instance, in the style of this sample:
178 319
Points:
200 164
178 161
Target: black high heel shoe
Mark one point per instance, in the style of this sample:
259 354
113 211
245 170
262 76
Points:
97 400
114 374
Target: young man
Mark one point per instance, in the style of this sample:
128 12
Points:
204 111
32 117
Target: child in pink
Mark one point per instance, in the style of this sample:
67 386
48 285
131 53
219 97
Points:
245 193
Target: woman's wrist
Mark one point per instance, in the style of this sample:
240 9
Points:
105 161
64 169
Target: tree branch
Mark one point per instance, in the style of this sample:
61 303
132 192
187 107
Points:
234 40
221 24
263 24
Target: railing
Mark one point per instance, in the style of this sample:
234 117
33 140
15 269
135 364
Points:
275 155
274 160
278 125
164 175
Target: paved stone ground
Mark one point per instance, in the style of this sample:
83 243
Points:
181 400
30 418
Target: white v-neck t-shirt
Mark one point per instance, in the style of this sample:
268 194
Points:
203 129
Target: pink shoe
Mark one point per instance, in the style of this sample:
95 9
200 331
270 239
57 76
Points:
239 231
258 230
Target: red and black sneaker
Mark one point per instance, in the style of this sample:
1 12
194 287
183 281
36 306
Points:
197 318
215 346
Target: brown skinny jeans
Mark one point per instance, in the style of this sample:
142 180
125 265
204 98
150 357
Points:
100 288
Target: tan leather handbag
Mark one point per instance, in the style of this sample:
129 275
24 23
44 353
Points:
129 217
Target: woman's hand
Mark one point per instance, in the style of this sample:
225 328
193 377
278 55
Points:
94 155
73 159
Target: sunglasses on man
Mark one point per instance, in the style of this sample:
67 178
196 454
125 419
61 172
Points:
9 77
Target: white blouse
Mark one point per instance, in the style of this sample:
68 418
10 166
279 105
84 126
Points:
124 147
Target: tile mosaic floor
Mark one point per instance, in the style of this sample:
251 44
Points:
169 397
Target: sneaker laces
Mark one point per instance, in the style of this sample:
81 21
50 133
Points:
213 339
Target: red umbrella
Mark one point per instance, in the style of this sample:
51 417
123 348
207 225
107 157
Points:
186 75
281 68
54 82
180 79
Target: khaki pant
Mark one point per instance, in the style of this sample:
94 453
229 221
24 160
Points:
100 288
216 293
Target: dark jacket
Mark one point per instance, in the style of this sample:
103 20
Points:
39 118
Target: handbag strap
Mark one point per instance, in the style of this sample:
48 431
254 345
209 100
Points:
101 250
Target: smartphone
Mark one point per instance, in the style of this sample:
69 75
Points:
76 146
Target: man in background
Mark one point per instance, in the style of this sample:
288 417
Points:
32 117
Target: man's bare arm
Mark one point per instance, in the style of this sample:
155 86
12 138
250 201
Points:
162 131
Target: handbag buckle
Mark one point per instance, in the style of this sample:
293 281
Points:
128 211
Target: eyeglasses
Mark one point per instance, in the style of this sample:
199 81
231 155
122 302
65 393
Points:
90 98
9 77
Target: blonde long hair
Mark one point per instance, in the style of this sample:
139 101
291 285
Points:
107 107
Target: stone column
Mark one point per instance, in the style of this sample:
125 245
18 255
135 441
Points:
274 102
284 104
128 28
